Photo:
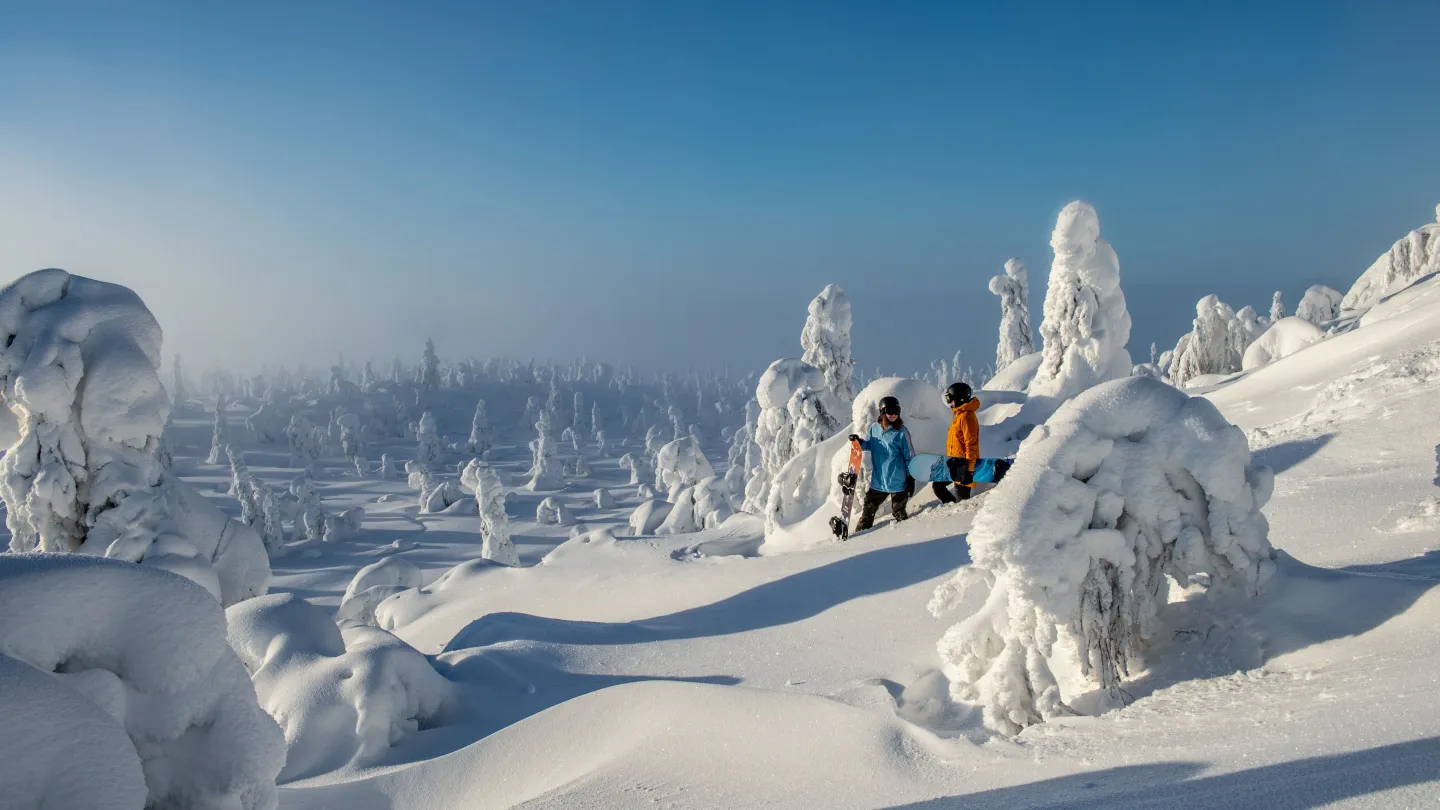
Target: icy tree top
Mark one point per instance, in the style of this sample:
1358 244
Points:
826 341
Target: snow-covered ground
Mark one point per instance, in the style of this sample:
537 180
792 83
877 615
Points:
694 671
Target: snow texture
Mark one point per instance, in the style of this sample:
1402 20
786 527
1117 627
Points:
138 689
1285 337
1085 326
1127 485
1413 257
1013 289
342 696
80 374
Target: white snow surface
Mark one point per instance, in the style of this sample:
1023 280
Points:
1284 338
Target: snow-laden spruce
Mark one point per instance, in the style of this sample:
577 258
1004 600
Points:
429 379
304 445
1277 307
484 481
1127 486
1013 289
179 391
80 372
342 696
219 434
545 471
825 342
774 429
1085 327
1413 257
1320 305
119 690
1210 346
680 464
427 443
480 439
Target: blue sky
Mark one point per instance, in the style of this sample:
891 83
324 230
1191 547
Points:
668 183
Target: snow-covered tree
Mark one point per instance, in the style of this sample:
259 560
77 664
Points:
1277 307
272 530
825 341
1210 346
1013 289
1129 485
1247 326
386 470
1086 326
681 464
744 454
304 450
654 440
532 411
552 512
309 516
482 479
1320 305
367 378
179 392
427 443
774 430
219 434
1414 256
577 418
597 425
479 440
79 371
639 467
545 470
429 368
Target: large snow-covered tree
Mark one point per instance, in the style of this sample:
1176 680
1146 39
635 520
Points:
489 492
1128 486
774 428
427 443
1086 326
480 439
79 370
1013 288
219 434
429 379
825 342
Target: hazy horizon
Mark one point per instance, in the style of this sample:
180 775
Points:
669 184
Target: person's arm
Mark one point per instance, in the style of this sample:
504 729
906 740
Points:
907 447
972 438
864 441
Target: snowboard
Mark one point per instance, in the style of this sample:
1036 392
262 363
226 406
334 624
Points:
930 467
841 525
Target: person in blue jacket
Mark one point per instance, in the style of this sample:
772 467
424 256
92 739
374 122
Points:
888 442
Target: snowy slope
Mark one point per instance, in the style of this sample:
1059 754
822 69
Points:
688 671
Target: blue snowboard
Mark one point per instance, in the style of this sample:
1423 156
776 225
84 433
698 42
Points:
930 467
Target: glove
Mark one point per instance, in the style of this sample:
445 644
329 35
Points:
966 478
854 437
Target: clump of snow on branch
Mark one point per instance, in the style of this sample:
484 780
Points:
1013 289
1413 257
1126 487
1085 326
342 696
80 372
118 690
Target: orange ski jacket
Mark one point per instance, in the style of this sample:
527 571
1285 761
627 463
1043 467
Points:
964 438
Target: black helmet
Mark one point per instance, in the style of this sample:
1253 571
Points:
890 405
958 394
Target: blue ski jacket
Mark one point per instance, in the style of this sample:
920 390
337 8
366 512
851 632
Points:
890 453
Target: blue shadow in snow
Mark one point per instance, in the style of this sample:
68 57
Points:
1283 456
1297 785
783 601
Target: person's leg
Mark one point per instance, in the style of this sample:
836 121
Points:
868 508
898 500
942 492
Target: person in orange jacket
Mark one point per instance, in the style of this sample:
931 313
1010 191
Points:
962 445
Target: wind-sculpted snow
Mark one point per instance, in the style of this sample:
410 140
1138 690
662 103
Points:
342 696
1125 486
139 692
80 373
1284 337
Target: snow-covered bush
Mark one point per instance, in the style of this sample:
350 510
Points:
702 506
1209 348
640 469
545 470
1013 289
489 492
352 443
654 440
304 449
825 341
604 500
1320 305
427 442
578 467
774 429
80 372
1413 257
552 512
646 492
680 464
309 517
219 434
342 696
374 584
1246 328
128 694
337 526
1285 337
1085 326
480 439
272 529
1126 487
648 516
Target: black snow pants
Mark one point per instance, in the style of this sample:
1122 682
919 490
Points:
959 474
874 498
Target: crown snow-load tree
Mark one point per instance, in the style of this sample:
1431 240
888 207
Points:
429 368
1128 486
80 373
1413 257
1013 288
1085 327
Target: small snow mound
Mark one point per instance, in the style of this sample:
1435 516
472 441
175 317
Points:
374 584
552 512
1285 337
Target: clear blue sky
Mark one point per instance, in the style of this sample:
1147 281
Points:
669 182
